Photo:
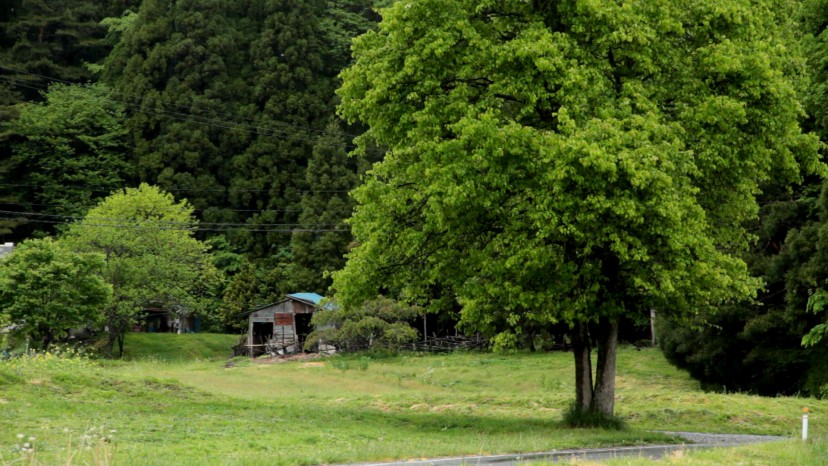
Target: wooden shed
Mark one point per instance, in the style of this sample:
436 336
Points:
282 326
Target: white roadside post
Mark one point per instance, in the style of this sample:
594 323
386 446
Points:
804 424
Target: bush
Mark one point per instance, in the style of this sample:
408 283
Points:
379 323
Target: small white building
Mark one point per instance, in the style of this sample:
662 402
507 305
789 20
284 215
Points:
6 248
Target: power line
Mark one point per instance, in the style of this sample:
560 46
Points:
188 117
195 190
183 107
161 222
261 131
178 228
298 210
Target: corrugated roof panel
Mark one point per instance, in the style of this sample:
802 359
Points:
310 297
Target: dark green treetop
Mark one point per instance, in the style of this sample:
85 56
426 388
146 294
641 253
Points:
67 152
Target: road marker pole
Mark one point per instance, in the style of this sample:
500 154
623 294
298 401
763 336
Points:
805 424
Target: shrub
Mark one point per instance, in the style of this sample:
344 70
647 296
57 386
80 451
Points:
379 323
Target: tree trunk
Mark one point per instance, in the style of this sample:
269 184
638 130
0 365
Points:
603 400
45 340
583 367
121 344
530 341
110 344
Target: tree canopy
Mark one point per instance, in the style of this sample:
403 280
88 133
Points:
151 255
229 103
68 151
570 161
46 289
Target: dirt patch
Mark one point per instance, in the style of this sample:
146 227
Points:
384 407
448 407
313 364
293 357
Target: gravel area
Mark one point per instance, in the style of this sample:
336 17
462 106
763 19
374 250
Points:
722 439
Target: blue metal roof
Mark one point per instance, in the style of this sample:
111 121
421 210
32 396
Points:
309 297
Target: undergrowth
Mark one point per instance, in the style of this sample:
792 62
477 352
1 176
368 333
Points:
578 418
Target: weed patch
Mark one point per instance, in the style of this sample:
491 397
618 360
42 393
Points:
576 417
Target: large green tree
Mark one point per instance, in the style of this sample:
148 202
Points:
570 161
46 289
151 256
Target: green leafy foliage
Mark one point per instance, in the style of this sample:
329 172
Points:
151 256
252 286
816 304
756 347
68 151
380 323
569 161
46 289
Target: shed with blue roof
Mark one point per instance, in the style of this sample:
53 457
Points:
283 326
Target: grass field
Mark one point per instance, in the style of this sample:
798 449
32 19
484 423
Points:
169 410
174 347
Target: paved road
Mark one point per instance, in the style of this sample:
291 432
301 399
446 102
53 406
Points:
695 441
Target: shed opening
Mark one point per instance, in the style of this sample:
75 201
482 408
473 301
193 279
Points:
262 332
303 328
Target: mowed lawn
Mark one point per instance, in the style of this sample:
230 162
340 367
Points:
168 410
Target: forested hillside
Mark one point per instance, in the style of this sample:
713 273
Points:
231 107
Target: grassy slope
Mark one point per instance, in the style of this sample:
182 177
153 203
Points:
351 409
174 347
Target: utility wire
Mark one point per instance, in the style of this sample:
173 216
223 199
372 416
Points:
261 131
34 204
277 133
179 228
172 104
195 190
160 222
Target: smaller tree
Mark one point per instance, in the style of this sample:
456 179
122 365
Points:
45 289
151 256
379 323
